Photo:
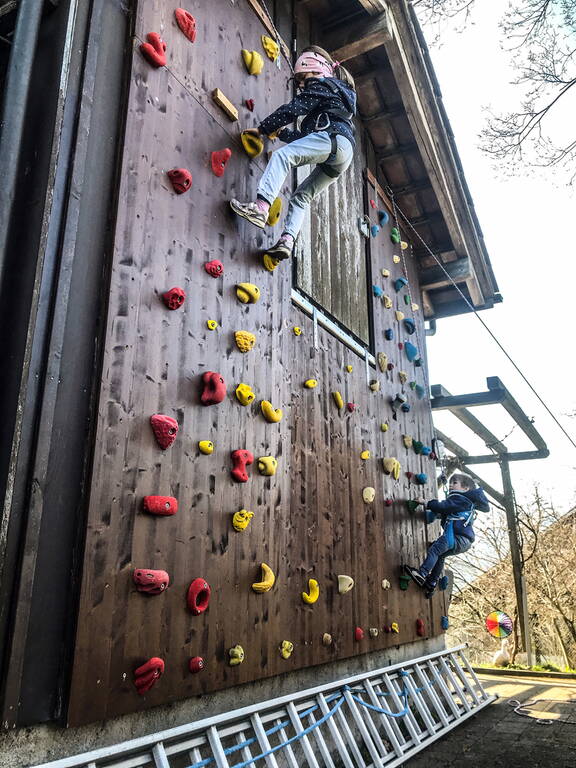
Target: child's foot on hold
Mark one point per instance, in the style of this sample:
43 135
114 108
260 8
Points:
283 248
429 590
256 213
415 575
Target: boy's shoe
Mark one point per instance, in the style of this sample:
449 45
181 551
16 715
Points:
429 590
415 575
283 248
251 212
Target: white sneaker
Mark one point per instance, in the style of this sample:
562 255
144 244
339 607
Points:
251 212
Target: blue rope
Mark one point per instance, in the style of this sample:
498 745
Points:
403 694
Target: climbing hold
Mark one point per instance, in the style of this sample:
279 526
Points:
397 401
240 460
412 384
181 179
349 369
420 628
377 291
389 334
407 440
358 634
286 649
444 622
268 579
251 144
373 631
154 51
206 447
386 584
163 506
387 302
247 293
412 505
384 427
421 478
272 416
409 326
417 446
396 259
403 376
382 361
244 394
405 407
395 235
211 325
271 47
410 351
245 340
297 330
390 367
365 455
241 519
345 584
214 268
252 61
313 593
165 429
400 345
196 664
385 273
236 655
387 628
392 466
403 245
150 582
443 583
418 362
326 639
399 315
420 391
426 450
148 674
274 212
374 385
383 217
174 298
374 229
213 388
219 160
338 400
388 502
225 104
350 407
409 475
310 383
364 225
373 204
267 465
249 104
406 299
414 307
368 495
198 596
400 283
270 262
186 22
394 627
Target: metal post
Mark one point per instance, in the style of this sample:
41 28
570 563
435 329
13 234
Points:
517 570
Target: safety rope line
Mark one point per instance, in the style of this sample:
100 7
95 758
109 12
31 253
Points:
521 708
486 328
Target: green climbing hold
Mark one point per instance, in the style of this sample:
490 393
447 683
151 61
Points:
404 581
395 235
412 505
420 391
417 447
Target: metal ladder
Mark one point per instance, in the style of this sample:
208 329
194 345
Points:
379 718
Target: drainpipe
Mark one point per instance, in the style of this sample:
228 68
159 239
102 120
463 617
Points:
431 330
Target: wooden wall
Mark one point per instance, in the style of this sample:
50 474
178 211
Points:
309 519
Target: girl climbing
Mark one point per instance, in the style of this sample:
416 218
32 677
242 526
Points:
325 138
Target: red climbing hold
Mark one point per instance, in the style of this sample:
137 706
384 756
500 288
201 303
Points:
388 502
358 634
240 460
214 268
150 582
249 104
213 388
181 179
174 298
219 160
160 505
186 22
196 664
351 407
373 204
198 596
147 675
420 628
400 345
165 429
409 475
390 366
154 51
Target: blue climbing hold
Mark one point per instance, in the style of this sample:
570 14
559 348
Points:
382 217
421 478
400 283
389 334
411 351
377 291
405 407
409 325
374 229
426 450
444 622
420 391
443 583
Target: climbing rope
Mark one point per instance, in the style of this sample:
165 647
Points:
523 709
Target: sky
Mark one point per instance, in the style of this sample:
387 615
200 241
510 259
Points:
528 226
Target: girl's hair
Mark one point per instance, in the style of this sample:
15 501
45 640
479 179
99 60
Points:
464 480
339 71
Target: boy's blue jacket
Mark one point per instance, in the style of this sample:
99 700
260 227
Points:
316 97
458 507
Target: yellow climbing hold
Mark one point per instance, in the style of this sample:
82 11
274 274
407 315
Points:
236 655
310 383
375 385
206 447
392 467
373 631
407 440
271 47
382 362
267 465
270 262
399 315
286 649
403 245
396 259
313 592
247 293
384 426
365 455
271 415
326 638
415 307
403 376
241 519
386 584
338 400
368 495
252 145
274 212
385 273
253 61
267 581
212 325
387 302
244 394
345 584
349 368
297 330
244 340
394 627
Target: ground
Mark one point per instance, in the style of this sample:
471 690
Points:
499 736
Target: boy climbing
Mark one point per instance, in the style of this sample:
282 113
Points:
325 138
457 514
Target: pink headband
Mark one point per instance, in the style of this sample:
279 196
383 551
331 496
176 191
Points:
313 62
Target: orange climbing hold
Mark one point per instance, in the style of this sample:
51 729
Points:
154 51
186 22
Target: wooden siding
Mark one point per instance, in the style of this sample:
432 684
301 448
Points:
309 519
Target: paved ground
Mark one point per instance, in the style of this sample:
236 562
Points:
499 737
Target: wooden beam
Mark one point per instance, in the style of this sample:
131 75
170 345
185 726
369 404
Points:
373 7
347 41
263 16
385 114
399 149
435 277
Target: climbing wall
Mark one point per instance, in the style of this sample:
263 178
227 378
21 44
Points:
309 518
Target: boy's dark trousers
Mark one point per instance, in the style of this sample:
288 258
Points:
438 551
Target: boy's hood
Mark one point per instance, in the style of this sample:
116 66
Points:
478 498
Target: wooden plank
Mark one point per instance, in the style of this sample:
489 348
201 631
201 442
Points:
349 40
225 104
